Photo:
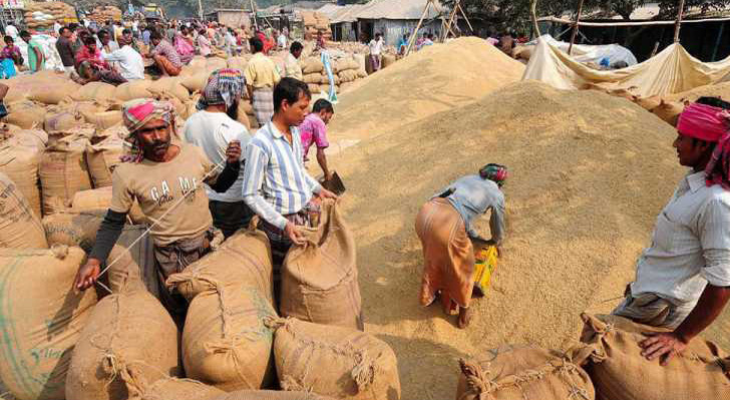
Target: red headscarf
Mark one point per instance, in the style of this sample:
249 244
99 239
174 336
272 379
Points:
711 124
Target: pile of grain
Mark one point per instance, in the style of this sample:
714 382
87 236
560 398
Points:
102 14
430 81
721 90
589 174
42 15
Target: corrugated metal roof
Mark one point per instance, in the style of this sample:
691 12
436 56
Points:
380 9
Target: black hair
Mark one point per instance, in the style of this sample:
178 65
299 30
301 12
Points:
714 102
126 31
89 40
296 46
63 29
73 26
323 104
289 89
102 34
24 34
155 35
9 39
256 45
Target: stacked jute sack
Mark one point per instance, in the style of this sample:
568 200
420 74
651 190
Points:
667 110
103 14
315 22
345 71
42 15
607 365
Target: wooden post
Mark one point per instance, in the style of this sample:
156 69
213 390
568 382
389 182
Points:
471 28
452 15
415 32
253 11
200 9
717 41
678 24
575 27
533 12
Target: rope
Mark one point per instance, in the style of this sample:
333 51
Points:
154 223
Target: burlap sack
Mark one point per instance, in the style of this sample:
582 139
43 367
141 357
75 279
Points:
619 372
73 229
26 115
20 227
225 341
312 65
63 121
269 395
42 319
333 361
196 81
63 172
55 91
312 78
103 119
102 158
214 63
21 165
128 337
319 280
98 201
177 389
171 86
137 89
522 373
95 91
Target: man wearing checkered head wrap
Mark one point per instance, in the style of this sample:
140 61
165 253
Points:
445 226
683 280
212 129
163 178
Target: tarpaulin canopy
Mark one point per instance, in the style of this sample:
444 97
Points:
673 70
607 54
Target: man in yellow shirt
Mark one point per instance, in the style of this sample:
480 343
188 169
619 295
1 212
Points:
261 77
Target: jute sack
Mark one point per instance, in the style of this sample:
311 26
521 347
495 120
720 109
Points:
21 164
20 227
312 78
42 319
128 337
195 82
98 201
332 361
56 91
319 280
63 121
171 86
522 373
63 172
26 114
95 91
103 119
137 89
225 341
102 158
188 389
270 395
619 372
312 65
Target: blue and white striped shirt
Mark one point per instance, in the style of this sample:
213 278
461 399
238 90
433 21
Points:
275 182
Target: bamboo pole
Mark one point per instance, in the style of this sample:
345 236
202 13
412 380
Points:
533 12
471 28
452 15
415 32
253 11
678 24
575 27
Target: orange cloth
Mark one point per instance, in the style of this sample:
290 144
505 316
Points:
448 255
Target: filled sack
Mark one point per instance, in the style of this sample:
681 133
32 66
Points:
319 279
95 91
21 164
63 172
522 372
102 157
42 318
20 227
26 114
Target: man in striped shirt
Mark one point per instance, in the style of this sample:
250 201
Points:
275 185
166 57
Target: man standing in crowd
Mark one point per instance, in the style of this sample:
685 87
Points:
683 280
36 58
276 186
166 57
403 45
376 47
445 227
162 176
66 49
261 77
314 131
292 69
211 129
129 61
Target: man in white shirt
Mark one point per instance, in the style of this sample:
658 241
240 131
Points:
683 280
129 61
12 31
212 129
376 47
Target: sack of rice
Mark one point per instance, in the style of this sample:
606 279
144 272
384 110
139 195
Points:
102 158
332 361
128 337
522 372
313 88
319 280
138 89
620 372
214 63
312 65
177 389
42 319
171 86
26 114
270 395
20 227
63 121
103 119
63 172
195 82
99 200
73 229
225 341
55 91
21 164
95 91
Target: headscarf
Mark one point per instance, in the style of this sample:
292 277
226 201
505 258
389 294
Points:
494 172
137 113
711 124
224 86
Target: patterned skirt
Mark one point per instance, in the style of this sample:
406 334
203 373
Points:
263 105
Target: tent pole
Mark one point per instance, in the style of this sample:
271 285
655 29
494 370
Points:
452 15
533 11
717 41
575 27
412 41
471 28
678 24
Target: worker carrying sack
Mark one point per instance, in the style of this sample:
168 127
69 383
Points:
525 373
613 359
319 280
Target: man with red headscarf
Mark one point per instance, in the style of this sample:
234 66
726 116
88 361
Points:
683 280
445 226
164 176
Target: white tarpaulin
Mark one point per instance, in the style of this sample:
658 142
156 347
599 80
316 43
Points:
603 55
673 70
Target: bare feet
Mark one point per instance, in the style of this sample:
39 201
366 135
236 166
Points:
464 318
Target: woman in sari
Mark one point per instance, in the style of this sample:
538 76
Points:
10 56
184 45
